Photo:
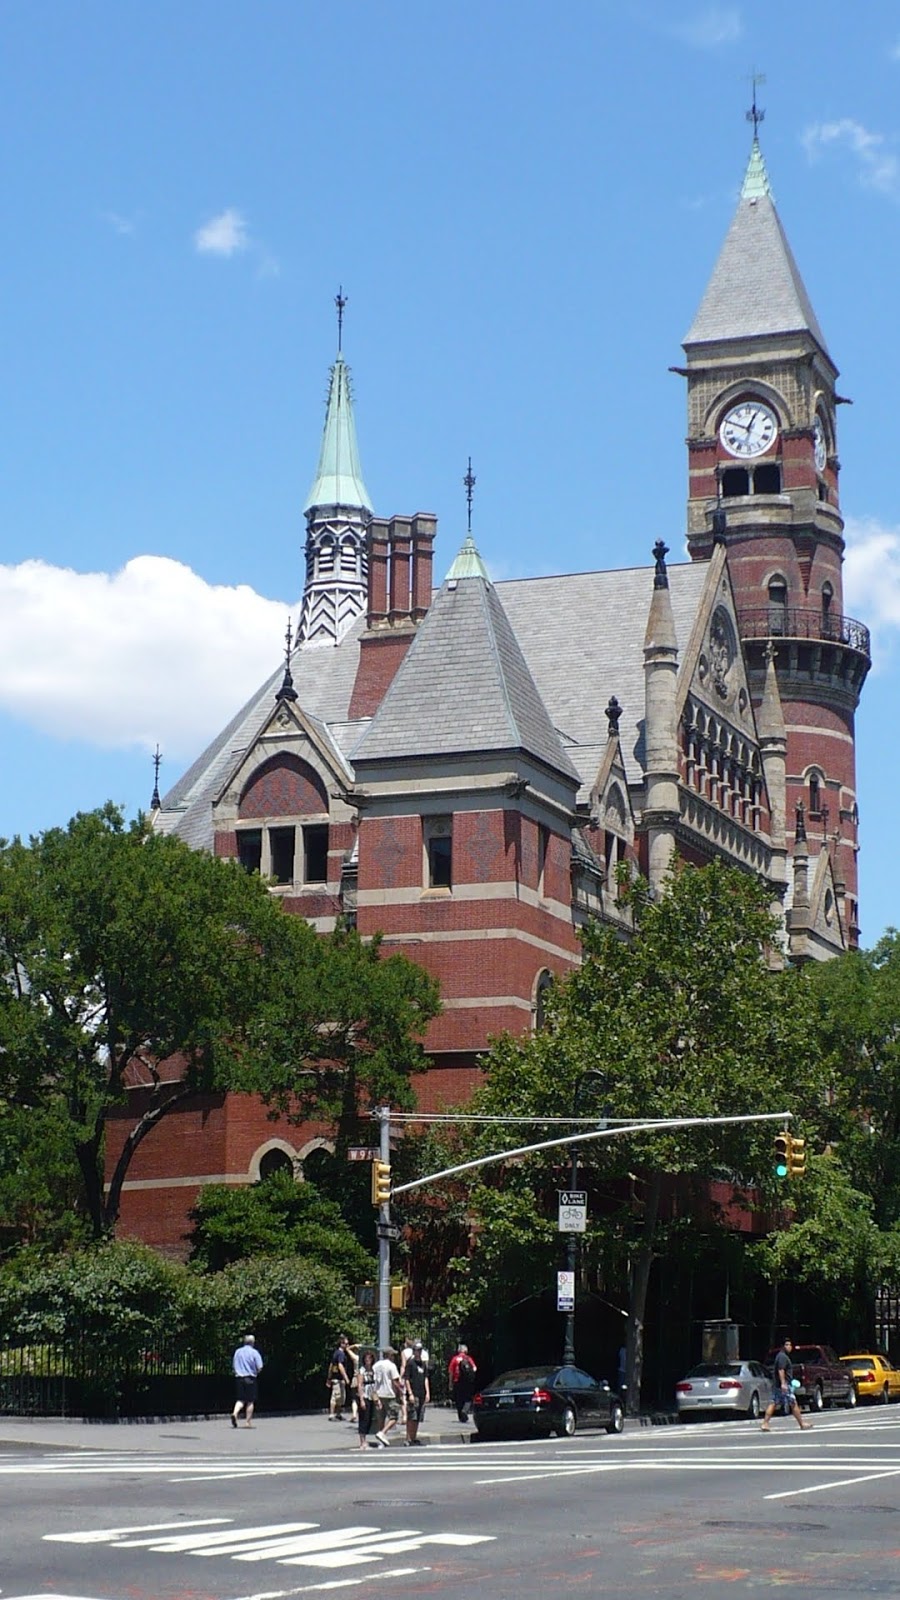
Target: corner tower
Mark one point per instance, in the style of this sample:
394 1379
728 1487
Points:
763 479
338 512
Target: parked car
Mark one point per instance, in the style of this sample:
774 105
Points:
874 1377
722 1386
823 1380
546 1400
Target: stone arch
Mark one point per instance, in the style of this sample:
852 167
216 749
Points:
283 786
265 1159
742 389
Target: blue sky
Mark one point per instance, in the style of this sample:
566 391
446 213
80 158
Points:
523 202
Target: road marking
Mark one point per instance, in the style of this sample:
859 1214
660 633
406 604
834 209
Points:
288 1544
842 1483
111 1535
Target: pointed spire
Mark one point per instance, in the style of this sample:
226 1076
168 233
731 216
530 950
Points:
756 288
287 690
155 802
660 634
770 721
339 479
468 563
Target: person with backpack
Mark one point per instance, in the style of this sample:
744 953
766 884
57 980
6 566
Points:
461 1370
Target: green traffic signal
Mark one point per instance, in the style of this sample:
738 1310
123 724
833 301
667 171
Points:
782 1154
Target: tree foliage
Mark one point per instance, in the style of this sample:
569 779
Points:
129 959
687 1019
278 1217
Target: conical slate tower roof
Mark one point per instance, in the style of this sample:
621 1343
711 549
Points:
339 480
756 288
463 686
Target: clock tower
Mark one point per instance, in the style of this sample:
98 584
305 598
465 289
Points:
763 480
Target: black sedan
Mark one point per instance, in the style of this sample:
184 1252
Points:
546 1401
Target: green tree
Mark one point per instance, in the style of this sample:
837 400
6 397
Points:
692 1017
277 1217
40 1185
130 960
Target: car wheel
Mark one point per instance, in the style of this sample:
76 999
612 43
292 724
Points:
818 1399
753 1408
852 1400
886 1395
567 1423
616 1421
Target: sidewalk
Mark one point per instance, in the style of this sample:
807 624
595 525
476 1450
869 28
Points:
279 1435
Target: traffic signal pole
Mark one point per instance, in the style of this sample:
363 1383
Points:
383 1113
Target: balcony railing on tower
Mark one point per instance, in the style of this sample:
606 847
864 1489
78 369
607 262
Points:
796 622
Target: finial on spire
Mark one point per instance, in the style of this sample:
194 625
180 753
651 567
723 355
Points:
155 801
800 826
613 713
287 690
660 576
756 114
719 520
469 481
340 301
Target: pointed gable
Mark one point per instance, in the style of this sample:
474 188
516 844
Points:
756 288
713 668
463 688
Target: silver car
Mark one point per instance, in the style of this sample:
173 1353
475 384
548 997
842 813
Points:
726 1387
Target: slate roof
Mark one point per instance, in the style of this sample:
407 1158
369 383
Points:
756 287
463 687
580 634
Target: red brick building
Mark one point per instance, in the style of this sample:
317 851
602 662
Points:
463 767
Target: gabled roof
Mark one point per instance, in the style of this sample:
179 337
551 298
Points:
339 480
756 288
464 686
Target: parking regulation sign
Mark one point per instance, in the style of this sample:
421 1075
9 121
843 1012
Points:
565 1291
572 1210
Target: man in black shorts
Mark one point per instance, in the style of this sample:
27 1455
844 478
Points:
247 1364
417 1390
783 1396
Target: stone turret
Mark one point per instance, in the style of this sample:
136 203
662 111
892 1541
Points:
660 813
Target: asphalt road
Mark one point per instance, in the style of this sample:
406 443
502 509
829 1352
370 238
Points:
196 1512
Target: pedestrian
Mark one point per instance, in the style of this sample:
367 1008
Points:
352 1369
783 1397
337 1379
462 1369
388 1390
418 1392
366 1396
247 1365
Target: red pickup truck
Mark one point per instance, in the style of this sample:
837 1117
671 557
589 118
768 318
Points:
823 1379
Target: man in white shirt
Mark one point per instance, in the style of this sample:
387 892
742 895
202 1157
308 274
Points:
246 1364
387 1394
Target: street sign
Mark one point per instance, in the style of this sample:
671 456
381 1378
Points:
387 1230
565 1291
360 1153
572 1211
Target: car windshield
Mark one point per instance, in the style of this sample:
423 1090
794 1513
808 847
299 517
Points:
806 1352
523 1378
716 1369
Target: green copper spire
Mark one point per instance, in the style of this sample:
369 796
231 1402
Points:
339 480
468 563
756 179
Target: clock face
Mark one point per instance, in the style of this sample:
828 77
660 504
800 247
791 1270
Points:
748 429
820 443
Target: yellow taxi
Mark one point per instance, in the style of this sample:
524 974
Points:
875 1377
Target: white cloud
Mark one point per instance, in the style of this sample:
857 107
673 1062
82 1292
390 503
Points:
872 575
224 235
895 51
878 163
124 659
709 29
120 224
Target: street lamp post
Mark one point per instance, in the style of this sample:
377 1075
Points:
572 1242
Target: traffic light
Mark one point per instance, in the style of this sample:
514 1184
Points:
381 1183
797 1158
782 1154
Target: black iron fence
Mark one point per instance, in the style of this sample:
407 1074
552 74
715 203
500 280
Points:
796 622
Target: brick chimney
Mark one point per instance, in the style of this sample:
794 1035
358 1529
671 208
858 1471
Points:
399 594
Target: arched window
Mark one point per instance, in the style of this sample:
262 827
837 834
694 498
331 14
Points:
816 786
274 1161
778 595
541 985
349 558
326 555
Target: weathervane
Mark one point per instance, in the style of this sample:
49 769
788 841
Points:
157 758
340 301
756 115
469 480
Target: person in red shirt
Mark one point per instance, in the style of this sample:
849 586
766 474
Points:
461 1370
